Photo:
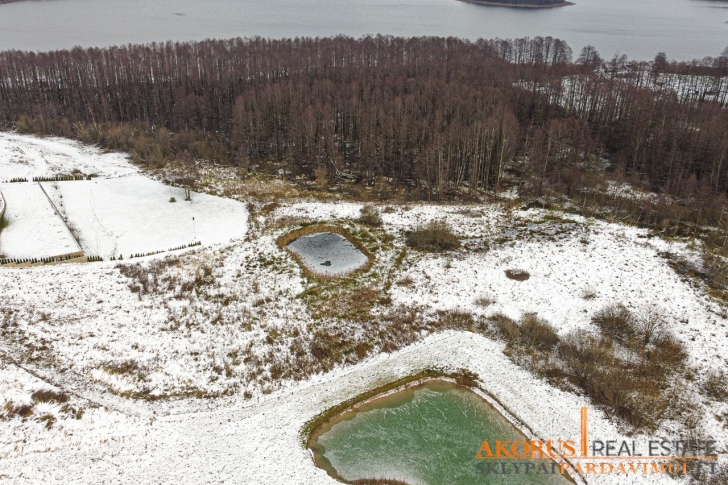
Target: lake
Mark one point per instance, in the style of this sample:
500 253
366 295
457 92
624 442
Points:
684 29
427 435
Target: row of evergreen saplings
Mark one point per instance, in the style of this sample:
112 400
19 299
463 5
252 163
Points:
55 178
62 178
142 255
90 259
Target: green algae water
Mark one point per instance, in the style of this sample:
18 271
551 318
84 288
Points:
428 435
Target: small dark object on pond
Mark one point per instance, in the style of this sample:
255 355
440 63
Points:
326 263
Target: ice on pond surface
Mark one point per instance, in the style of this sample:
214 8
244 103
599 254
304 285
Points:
328 253
428 435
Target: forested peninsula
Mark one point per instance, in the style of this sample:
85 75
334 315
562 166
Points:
522 3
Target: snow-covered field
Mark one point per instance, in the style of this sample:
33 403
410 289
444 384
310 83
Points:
168 359
25 156
127 215
118 212
33 229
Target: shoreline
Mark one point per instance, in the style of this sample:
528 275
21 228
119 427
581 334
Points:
512 5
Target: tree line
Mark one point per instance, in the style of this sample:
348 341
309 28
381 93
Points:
434 115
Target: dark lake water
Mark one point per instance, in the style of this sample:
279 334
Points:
684 29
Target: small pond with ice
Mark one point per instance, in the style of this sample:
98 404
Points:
328 253
426 435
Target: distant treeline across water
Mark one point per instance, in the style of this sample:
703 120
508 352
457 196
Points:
432 115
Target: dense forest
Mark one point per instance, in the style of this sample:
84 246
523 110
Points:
438 117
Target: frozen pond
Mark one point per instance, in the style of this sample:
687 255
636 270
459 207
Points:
328 253
427 435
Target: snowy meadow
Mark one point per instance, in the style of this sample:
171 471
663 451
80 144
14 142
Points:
204 365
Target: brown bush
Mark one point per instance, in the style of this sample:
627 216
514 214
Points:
530 332
715 385
615 321
517 274
537 333
48 395
370 216
435 237
640 398
664 355
455 319
21 410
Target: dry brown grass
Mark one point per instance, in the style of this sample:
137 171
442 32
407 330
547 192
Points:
715 386
49 395
633 369
156 277
434 237
370 216
20 410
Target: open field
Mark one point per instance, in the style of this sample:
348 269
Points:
129 215
32 229
28 156
116 213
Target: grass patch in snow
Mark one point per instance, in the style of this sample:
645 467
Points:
435 237
712 272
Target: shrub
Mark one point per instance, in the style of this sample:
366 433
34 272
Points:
370 216
435 237
639 393
505 327
665 354
455 319
530 332
21 410
715 385
615 321
537 333
48 395
517 274
172 199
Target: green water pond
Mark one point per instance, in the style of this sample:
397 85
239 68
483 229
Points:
424 435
